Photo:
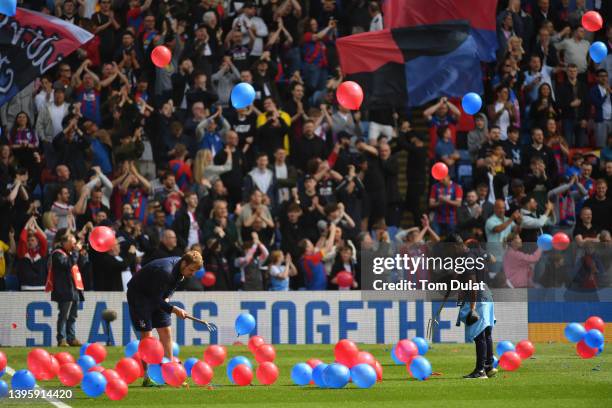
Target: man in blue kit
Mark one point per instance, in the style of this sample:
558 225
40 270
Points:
149 291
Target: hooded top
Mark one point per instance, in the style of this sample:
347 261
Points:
477 137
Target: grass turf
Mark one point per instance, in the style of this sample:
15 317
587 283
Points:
556 377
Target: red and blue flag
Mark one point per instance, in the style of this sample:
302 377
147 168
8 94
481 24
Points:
412 65
479 13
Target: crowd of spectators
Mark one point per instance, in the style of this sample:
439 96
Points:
285 193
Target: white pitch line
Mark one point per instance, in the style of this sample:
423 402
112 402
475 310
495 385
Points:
53 401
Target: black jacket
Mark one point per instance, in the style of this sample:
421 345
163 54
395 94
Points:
64 289
181 226
565 95
31 272
107 271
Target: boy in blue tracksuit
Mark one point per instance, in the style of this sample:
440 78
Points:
149 291
477 312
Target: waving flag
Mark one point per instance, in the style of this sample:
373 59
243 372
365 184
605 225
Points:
479 13
31 44
415 64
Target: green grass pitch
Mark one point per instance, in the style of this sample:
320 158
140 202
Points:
556 377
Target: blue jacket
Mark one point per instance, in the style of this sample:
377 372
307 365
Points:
597 100
155 282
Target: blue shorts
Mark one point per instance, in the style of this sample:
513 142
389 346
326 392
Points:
145 316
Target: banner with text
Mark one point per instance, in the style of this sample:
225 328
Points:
29 319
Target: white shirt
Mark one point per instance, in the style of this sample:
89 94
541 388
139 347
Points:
57 114
606 108
194 230
377 23
282 173
262 179
261 32
544 74
503 121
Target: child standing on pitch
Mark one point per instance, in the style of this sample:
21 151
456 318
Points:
477 312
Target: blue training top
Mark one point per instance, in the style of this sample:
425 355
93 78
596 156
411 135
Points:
157 281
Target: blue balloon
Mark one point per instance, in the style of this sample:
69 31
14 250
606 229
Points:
242 95
574 332
199 273
544 243
495 361
8 7
598 51
600 350
504 346
245 324
154 371
594 338
336 375
421 344
394 357
83 348
93 384
3 389
301 374
317 375
23 380
363 375
131 348
2 372
471 103
420 368
175 349
234 362
188 364
86 362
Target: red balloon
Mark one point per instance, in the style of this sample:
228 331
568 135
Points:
64 357
174 374
349 95
313 362
344 279
214 355
161 56
525 349
151 350
345 351
111 374
53 369
585 351
364 357
594 322
510 361
70 374
2 360
209 279
379 371
128 369
136 356
560 241
97 351
116 389
96 369
267 373
405 350
264 353
439 171
102 239
242 375
39 363
592 21
201 373
255 342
